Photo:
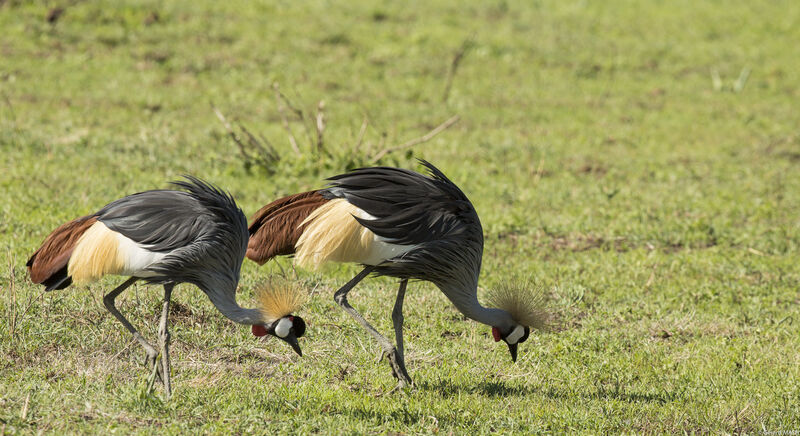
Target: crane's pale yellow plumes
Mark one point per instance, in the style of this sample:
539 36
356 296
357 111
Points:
524 301
96 254
278 298
333 235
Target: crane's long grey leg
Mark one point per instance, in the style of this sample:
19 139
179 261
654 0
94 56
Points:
391 352
151 354
163 337
397 319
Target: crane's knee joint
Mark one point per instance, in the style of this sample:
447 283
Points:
397 316
108 301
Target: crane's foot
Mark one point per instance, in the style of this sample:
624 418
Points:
400 387
151 362
163 367
398 368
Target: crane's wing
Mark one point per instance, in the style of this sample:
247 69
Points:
409 208
430 213
162 220
181 235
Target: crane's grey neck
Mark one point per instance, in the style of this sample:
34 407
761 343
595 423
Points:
466 301
225 301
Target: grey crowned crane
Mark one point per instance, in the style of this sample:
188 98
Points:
396 223
196 235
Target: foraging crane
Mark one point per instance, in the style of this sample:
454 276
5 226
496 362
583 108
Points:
396 223
197 235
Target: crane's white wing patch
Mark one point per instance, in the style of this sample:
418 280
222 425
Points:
333 235
102 251
137 258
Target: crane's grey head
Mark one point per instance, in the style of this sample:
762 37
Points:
524 307
287 329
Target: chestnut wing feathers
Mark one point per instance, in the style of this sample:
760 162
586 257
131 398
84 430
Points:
276 227
48 265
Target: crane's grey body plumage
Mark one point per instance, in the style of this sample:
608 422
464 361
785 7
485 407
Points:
201 229
397 223
196 235
433 215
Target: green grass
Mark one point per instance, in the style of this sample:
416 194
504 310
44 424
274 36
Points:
658 207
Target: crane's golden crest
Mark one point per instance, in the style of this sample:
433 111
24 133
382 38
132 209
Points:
332 235
524 302
278 298
96 254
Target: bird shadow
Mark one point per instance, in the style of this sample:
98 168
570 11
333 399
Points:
501 389
398 410
447 388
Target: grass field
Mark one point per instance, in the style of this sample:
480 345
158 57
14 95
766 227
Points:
637 160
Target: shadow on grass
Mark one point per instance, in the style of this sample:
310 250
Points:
447 388
492 389
402 416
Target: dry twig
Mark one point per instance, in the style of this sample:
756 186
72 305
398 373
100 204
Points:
425 138
457 58
281 110
23 414
10 106
298 112
320 125
361 135
265 155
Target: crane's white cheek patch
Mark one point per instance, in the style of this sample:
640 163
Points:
515 334
283 327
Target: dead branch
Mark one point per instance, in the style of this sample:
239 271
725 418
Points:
265 150
457 58
231 133
10 106
320 127
361 135
284 120
425 138
298 112
264 155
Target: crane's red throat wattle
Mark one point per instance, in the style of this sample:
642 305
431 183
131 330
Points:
495 334
259 330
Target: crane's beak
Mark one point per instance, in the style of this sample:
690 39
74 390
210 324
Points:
513 349
292 340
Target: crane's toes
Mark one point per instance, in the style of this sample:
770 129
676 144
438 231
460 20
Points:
401 386
151 362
